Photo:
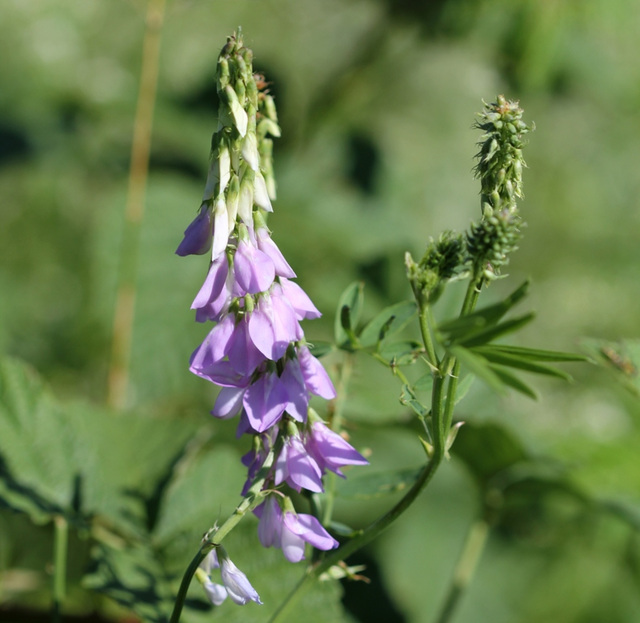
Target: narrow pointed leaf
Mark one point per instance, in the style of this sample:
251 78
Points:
459 327
513 381
535 354
478 366
492 333
511 361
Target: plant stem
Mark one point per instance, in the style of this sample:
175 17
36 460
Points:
118 379
60 540
465 568
425 330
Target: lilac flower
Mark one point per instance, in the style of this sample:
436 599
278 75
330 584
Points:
297 467
299 300
290 531
254 269
268 246
198 235
238 586
330 450
215 294
265 401
315 376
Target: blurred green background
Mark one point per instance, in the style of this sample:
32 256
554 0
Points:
376 100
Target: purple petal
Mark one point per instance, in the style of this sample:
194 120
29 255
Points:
243 354
270 526
299 300
216 593
331 451
304 472
228 403
254 269
265 401
198 235
298 403
213 284
292 545
310 529
214 345
268 246
315 376
237 584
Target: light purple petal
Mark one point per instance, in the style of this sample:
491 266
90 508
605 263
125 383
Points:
210 562
213 347
310 529
213 284
268 246
198 235
228 403
270 526
298 403
303 470
254 269
331 451
261 328
315 376
242 352
292 545
237 584
220 228
216 593
265 401
299 300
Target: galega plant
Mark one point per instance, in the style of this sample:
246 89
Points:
257 354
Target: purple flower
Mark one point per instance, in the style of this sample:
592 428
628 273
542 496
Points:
273 324
265 401
216 593
315 376
299 300
254 269
330 450
238 586
216 291
290 531
268 246
297 394
198 236
297 467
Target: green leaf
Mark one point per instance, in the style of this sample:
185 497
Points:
348 313
479 367
320 348
401 353
409 399
498 356
369 486
513 381
484 336
459 328
389 321
535 354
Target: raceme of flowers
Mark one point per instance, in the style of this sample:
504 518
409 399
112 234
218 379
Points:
256 352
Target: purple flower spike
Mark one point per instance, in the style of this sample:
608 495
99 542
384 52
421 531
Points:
270 526
268 246
273 326
214 293
198 236
244 357
331 451
238 586
254 270
315 376
228 403
297 467
298 397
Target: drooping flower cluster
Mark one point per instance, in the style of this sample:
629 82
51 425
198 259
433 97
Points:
256 352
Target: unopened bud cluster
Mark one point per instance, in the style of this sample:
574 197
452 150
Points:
486 246
256 352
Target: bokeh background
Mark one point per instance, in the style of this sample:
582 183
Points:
376 99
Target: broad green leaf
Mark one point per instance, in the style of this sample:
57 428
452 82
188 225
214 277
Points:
513 361
389 321
348 313
479 367
376 485
459 328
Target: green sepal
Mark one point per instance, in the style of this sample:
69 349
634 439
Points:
348 314
389 321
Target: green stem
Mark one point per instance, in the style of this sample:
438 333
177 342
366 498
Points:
465 568
427 339
357 542
215 536
60 541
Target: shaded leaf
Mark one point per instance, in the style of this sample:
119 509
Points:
478 366
497 356
348 313
376 485
389 321
513 381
